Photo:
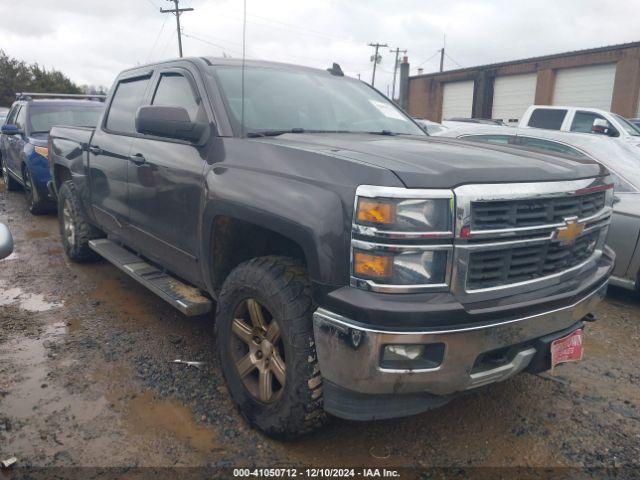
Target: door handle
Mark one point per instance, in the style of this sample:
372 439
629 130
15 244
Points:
138 159
96 150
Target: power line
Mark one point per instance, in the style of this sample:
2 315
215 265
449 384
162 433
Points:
436 53
376 59
449 57
177 11
157 38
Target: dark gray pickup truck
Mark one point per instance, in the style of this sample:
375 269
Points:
359 267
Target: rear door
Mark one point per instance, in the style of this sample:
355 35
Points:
109 155
165 181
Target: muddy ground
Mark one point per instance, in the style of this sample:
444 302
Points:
86 379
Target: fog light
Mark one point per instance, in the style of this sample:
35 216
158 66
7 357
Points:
403 352
412 357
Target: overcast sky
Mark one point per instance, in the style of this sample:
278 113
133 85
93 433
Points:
92 40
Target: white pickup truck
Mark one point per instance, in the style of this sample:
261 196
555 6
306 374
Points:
581 120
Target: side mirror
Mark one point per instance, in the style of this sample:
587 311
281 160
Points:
602 127
10 129
168 122
6 241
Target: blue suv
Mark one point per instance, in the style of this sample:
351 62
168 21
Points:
24 139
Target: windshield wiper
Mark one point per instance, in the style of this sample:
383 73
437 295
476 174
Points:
274 133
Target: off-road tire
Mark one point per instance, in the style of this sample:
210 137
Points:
36 204
282 286
77 249
12 184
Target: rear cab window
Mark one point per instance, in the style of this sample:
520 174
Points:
548 146
548 118
128 96
494 139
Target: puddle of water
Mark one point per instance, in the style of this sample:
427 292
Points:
33 234
27 396
144 414
33 302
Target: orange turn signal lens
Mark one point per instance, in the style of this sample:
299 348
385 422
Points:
371 211
372 266
44 151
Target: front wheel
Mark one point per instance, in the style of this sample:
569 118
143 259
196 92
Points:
75 230
266 347
37 205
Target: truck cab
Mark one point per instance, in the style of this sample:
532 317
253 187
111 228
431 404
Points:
581 120
358 266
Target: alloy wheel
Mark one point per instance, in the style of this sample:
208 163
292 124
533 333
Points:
69 227
258 351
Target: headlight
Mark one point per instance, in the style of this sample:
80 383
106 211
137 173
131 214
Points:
387 224
386 211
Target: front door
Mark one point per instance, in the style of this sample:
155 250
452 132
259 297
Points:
165 179
17 142
109 156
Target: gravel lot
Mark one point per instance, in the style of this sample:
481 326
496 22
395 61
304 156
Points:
86 379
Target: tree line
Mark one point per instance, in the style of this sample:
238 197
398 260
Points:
20 76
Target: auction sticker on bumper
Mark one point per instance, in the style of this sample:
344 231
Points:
567 349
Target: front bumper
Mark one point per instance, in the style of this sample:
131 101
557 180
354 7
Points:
350 354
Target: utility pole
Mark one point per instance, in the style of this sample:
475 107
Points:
397 51
375 58
177 11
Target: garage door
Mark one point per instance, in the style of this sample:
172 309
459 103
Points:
457 99
585 86
512 95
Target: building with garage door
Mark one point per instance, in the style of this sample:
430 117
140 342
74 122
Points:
606 77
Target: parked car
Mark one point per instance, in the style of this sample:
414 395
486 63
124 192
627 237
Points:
23 143
359 266
581 120
430 127
622 160
6 241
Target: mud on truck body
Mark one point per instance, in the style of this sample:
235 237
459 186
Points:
358 266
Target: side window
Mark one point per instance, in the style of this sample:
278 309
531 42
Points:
583 122
21 118
175 90
495 139
549 118
128 96
549 146
11 118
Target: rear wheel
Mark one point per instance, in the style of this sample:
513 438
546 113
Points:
37 205
266 347
75 230
11 183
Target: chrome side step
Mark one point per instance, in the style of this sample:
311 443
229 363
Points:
184 297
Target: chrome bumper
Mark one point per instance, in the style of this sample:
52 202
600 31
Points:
349 354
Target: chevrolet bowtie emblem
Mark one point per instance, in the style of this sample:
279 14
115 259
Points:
568 233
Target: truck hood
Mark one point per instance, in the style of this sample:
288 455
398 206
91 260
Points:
428 162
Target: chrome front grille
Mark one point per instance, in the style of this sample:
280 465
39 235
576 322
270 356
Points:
508 235
496 215
521 263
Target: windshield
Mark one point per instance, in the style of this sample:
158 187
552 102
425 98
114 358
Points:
629 127
278 99
43 117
